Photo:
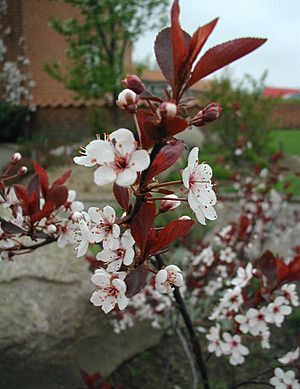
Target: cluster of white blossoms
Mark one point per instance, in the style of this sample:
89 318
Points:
117 158
284 379
197 180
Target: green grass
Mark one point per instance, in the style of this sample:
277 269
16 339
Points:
286 140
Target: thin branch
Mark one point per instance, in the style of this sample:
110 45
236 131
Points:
252 382
251 379
189 356
190 328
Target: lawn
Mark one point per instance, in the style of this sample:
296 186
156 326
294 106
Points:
287 140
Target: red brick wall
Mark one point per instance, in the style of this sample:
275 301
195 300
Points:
286 115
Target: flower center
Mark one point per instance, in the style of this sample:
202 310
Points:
121 163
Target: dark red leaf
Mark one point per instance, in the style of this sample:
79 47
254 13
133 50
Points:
122 196
34 203
135 280
288 273
174 125
34 185
222 55
10 227
179 49
61 180
167 156
174 230
46 211
143 117
267 265
149 97
164 52
44 180
23 197
141 224
58 194
198 40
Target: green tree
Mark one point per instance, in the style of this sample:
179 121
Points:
97 42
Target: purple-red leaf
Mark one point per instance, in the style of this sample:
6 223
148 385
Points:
135 280
61 180
122 196
141 224
198 40
174 230
46 211
267 266
58 194
11 228
164 52
44 180
34 185
145 117
174 125
222 55
178 42
167 156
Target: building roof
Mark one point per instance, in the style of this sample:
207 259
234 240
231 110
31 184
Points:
279 92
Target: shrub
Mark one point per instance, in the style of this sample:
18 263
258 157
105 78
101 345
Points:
12 121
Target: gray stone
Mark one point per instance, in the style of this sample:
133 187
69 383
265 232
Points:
49 329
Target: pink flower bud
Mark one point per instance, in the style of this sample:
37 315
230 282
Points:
127 100
167 109
22 171
206 115
51 229
169 205
134 83
16 158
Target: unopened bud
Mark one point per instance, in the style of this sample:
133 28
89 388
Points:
167 109
169 204
127 100
22 171
134 83
184 218
51 229
16 158
206 115
76 216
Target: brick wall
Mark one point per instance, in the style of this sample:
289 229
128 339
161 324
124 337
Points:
286 115
72 124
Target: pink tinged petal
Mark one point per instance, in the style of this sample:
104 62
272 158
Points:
161 276
96 299
96 235
124 141
114 266
101 151
193 157
122 301
104 175
71 195
173 268
106 256
203 172
82 248
129 256
126 178
139 161
96 215
100 280
119 284
204 194
186 177
109 304
286 310
116 231
110 243
200 217
127 240
179 280
109 214
77 206
122 275
84 161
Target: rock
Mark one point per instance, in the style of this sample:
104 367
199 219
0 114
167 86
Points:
49 329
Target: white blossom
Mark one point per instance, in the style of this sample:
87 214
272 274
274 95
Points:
290 357
167 278
215 343
289 291
243 276
123 254
232 346
284 380
118 158
111 290
277 310
197 179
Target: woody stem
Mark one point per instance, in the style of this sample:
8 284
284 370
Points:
191 330
161 184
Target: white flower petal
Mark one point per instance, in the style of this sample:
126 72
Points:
126 178
104 175
139 161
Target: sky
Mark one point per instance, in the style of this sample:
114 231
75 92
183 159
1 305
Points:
277 20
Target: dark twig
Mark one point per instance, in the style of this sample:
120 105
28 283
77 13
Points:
191 331
252 379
